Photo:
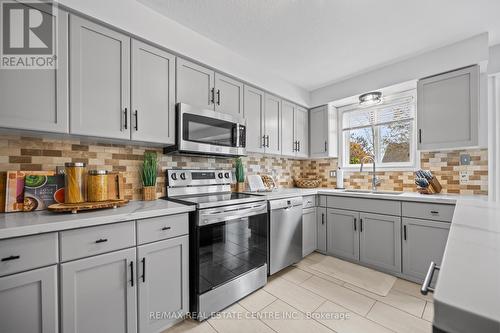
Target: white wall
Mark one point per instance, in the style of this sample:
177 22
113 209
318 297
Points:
132 16
467 52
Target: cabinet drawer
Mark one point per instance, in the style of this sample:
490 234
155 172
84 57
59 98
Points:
85 242
309 201
162 227
428 211
377 206
20 254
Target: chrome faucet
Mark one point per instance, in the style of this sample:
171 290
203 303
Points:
375 180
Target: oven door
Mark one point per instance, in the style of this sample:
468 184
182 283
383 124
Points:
206 131
227 248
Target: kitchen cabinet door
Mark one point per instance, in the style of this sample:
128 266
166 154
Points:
99 80
309 231
301 130
153 94
98 294
28 301
448 110
288 141
255 114
228 95
321 228
273 124
342 238
423 241
37 99
319 131
380 241
163 282
195 85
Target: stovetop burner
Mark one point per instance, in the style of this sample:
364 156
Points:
217 199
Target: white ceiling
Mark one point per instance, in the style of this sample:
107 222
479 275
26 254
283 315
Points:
312 43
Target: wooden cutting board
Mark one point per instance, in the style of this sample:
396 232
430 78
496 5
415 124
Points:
75 208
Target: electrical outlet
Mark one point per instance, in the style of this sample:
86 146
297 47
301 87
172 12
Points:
464 177
333 173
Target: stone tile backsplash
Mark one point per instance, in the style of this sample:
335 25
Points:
36 153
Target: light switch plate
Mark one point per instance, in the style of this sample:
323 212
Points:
333 173
464 177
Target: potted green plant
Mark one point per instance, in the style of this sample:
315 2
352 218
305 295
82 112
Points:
240 174
148 174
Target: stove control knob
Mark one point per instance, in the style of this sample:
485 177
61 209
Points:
226 175
174 176
220 175
183 176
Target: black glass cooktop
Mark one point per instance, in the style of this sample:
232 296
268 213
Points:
217 199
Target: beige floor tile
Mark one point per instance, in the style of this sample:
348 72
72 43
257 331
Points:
282 317
316 256
298 297
305 263
342 320
321 275
411 288
237 319
397 299
398 320
340 295
429 312
191 326
294 275
363 277
257 300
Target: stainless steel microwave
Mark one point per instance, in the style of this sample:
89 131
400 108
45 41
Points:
200 131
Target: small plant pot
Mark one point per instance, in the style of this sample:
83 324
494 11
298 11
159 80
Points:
149 193
240 187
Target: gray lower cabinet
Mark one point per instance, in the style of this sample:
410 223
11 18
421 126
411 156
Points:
423 241
99 81
380 241
342 238
309 231
153 94
46 108
162 283
98 294
28 301
321 228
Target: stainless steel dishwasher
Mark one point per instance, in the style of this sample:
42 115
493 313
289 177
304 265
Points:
285 233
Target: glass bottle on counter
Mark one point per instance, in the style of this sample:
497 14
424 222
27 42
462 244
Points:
75 181
97 185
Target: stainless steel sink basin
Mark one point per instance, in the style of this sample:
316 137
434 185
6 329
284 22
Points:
374 192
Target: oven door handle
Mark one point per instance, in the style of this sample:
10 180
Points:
220 216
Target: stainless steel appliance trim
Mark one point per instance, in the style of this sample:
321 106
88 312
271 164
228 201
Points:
428 279
211 216
232 118
207 189
230 292
285 203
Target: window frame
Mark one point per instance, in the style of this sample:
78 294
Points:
412 165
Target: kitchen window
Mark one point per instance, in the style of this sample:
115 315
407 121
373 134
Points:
385 131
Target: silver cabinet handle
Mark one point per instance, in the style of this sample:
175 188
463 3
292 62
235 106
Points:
428 279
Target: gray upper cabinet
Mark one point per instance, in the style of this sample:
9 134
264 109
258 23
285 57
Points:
228 95
288 142
450 99
28 301
309 231
321 228
423 241
98 294
153 94
323 134
380 241
255 115
272 123
342 236
162 282
38 99
195 84
99 80
301 130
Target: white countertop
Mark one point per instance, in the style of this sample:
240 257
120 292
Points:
467 297
22 224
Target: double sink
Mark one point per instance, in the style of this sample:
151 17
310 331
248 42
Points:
374 192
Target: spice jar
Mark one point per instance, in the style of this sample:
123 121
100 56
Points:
98 185
75 182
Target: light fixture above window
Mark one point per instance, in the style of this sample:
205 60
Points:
370 98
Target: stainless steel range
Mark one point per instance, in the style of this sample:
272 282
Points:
228 238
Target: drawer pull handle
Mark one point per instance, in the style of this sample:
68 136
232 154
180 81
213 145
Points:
10 258
143 269
434 212
101 240
428 279
355 220
361 225
131 273
166 228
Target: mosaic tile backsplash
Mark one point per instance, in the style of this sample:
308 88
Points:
35 153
